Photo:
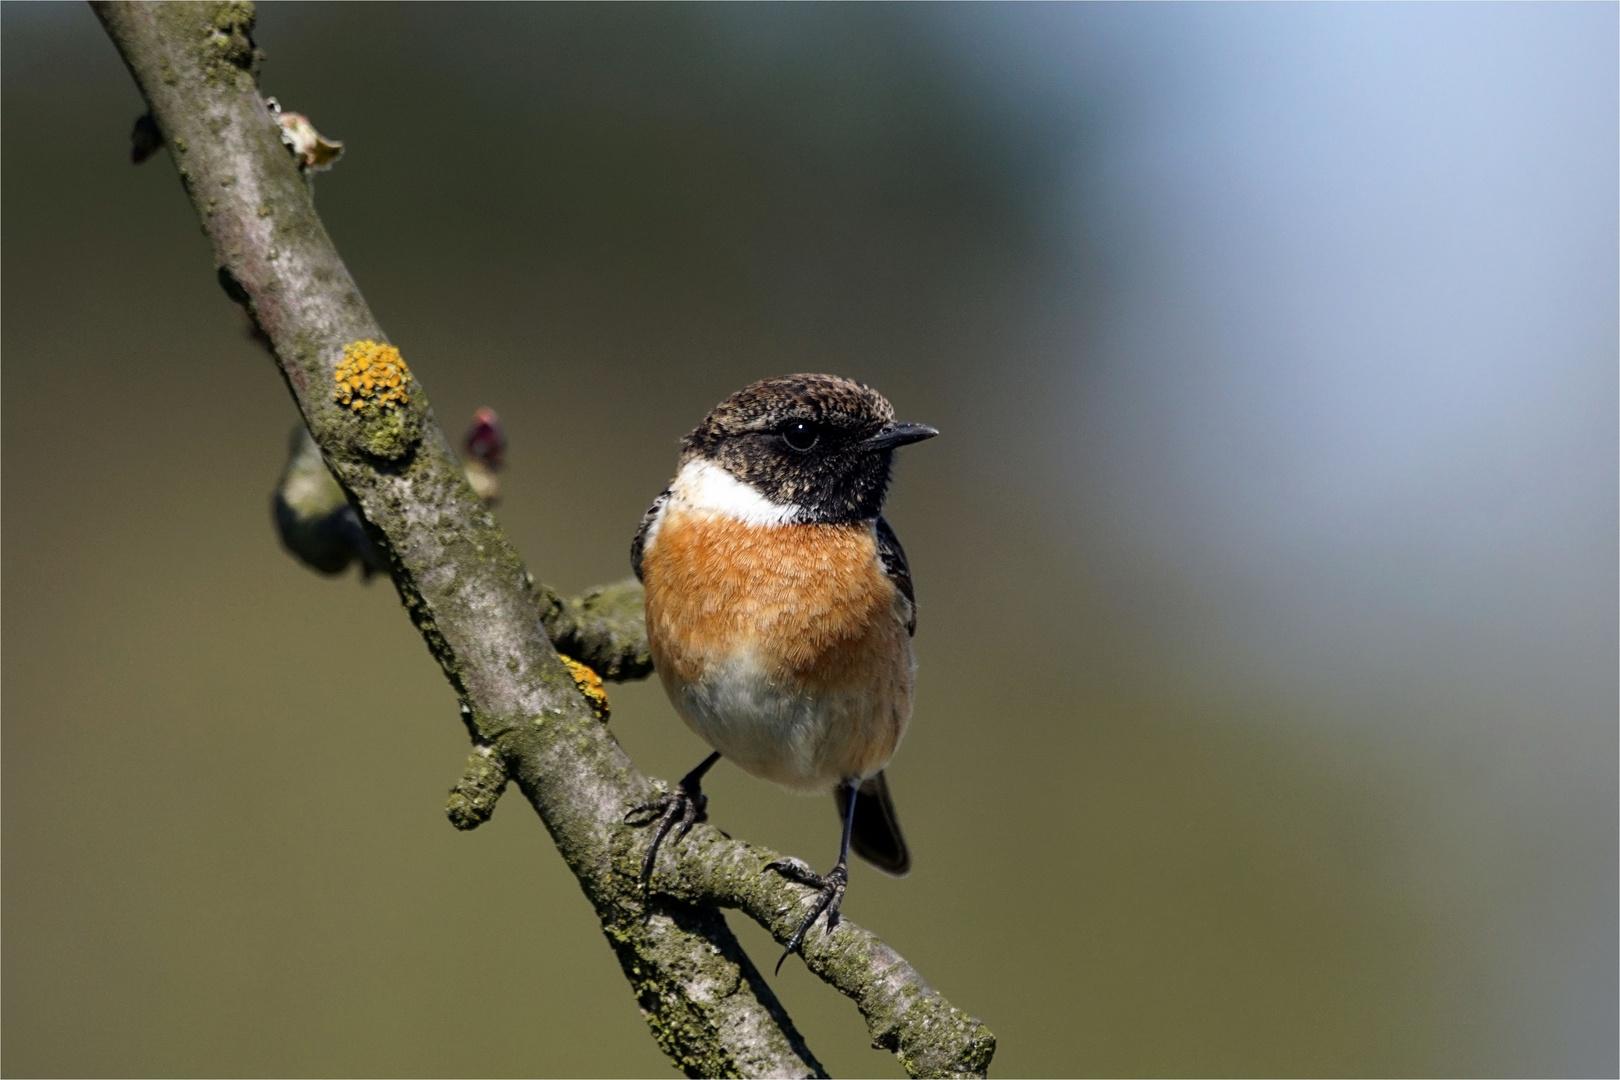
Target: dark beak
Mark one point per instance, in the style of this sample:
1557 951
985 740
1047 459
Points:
894 435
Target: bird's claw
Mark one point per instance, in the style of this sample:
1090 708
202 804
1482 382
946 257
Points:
685 807
795 869
829 896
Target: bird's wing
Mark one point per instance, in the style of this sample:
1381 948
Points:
639 545
893 557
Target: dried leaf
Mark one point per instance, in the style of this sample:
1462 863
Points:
314 151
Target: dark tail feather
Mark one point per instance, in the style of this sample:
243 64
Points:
876 836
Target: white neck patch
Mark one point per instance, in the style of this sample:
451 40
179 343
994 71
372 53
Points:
704 487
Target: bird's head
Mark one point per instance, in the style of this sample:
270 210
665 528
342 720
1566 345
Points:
820 447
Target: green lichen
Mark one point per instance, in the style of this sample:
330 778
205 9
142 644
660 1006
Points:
231 56
473 799
390 434
605 629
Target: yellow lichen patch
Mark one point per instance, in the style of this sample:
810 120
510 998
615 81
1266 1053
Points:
371 374
590 684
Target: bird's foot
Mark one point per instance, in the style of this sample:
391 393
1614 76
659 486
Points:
829 895
684 807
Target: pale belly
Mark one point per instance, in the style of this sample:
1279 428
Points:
782 647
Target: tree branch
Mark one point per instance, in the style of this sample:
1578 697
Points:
475 605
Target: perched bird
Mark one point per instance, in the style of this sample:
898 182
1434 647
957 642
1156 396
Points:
780 610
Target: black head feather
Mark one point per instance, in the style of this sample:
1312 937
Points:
821 442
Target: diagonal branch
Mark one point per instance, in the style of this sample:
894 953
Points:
467 592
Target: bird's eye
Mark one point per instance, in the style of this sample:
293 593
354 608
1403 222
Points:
800 435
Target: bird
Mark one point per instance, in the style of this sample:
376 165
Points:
780 612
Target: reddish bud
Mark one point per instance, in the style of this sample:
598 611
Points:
486 443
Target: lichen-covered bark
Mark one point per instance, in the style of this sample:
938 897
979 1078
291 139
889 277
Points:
476 606
903 1013
605 629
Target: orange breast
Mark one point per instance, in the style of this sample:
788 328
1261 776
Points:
811 601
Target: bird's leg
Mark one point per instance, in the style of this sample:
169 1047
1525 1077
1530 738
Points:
685 805
830 887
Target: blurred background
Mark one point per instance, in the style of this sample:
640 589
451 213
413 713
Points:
1267 565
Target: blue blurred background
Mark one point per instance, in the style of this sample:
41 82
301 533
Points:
1267 567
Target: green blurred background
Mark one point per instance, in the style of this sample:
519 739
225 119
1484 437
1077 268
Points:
1266 713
